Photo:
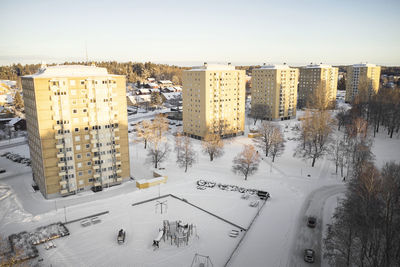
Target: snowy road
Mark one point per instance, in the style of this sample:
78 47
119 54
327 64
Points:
306 237
5 146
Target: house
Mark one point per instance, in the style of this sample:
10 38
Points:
143 91
151 85
164 83
18 124
171 96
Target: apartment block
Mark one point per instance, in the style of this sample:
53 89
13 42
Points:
213 100
362 79
77 128
275 87
320 80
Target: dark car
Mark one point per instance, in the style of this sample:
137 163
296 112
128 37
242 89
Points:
2 170
309 255
5 154
311 222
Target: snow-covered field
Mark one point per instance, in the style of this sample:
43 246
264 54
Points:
269 242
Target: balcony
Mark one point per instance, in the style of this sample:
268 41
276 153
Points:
59 136
119 179
62 173
97 184
114 121
119 171
63 182
93 132
96 167
95 158
63 191
118 154
57 127
95 149
93 141
118 162
116 129
59 146
117 146
61 164
96 175
60 155
116 138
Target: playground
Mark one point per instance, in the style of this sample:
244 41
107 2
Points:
166 231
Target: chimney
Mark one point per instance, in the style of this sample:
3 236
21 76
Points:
284 63
264 64
205 64
229 63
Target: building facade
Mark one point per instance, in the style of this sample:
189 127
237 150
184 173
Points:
317 81
275 88
77 128
363 80
213 100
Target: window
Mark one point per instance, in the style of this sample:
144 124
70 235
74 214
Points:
87 136
72 82
77 138
73 92
76 130
89 172
89 163
74 111
87 145
88 154
80 174
79 165
78 156
78 147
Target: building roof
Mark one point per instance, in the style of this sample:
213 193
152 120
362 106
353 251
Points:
165 81
213 67
172 95
69 71
275 67
361 65
318 66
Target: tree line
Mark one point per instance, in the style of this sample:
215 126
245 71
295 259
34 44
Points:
134 71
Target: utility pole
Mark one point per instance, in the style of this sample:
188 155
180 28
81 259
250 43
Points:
65 214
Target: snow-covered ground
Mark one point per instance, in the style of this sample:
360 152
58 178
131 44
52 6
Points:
268 243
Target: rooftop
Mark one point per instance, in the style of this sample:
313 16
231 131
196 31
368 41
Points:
275 67
360 65
69 71
212 67
318 66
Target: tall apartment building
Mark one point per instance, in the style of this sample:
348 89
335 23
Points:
77 128
213 99
275 86
317 79
362 77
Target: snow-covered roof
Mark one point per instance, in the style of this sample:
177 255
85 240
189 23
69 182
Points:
14 121
154 90
318 66
69 71
363 65
153 84
144 91
165 81
212 67
275 67
172 95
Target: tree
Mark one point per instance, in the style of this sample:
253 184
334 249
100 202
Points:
246 162
260 112
156 99
185 156
213 145
277 143
144 131
338 153
18 102
264 138
315 135
157 141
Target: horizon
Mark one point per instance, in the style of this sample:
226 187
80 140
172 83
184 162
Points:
188 33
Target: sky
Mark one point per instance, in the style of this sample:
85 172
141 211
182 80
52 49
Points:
186 33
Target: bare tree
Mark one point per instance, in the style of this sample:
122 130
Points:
143 132
259 112
246 162
264 138
158 142
315 136
186 155
213 145
277 143
338 154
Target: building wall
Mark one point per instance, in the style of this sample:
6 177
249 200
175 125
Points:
276 88
62 114
322 79
213 99
362 78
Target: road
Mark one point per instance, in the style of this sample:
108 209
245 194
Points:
312 237
5 146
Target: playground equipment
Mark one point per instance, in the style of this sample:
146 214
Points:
177 232
201 261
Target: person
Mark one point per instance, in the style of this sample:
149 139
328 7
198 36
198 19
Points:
344 179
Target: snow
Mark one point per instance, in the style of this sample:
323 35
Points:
275 67
268 242
318 66
213 67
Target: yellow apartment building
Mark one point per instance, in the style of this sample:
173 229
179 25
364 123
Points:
318 80
275 86
77 128
362 77
213 100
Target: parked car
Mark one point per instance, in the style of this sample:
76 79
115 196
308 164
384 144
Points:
309 255
5 154
121 236
2 170
311 222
